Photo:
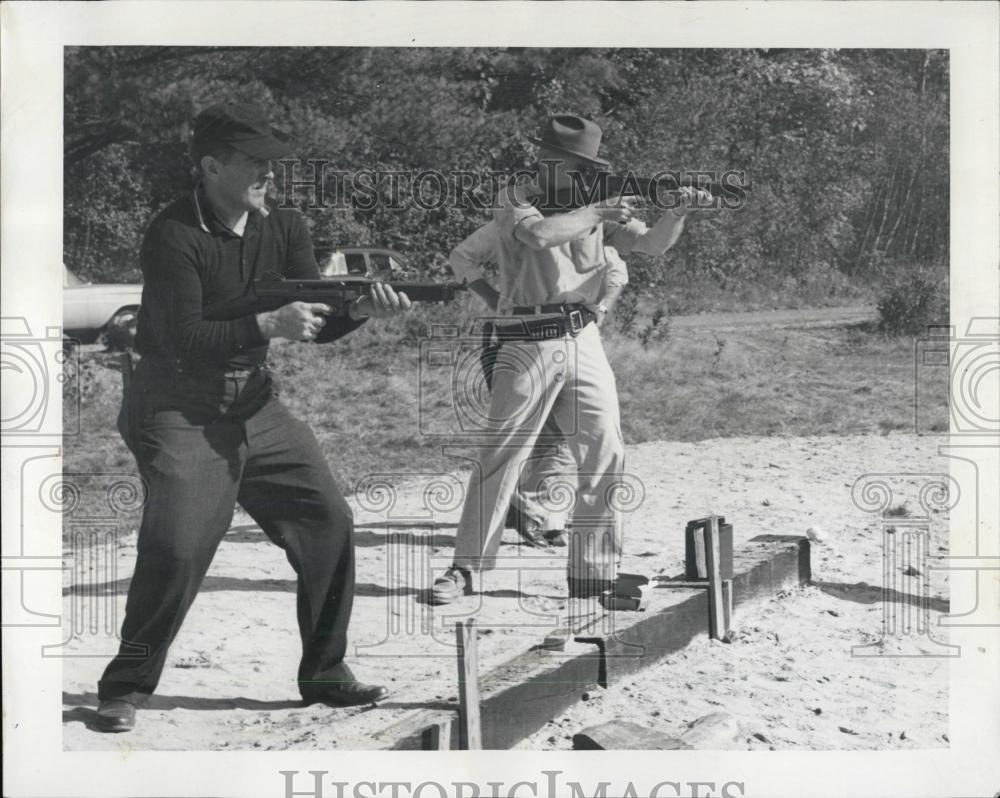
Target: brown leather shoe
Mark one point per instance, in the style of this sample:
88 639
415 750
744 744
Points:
115 715
451 585
346 694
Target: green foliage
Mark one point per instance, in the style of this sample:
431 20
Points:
847 149
912 300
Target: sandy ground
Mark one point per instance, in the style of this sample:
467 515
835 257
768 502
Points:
789 679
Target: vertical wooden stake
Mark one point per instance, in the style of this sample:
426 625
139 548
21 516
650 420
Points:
469 724
727 596
716 604
438 737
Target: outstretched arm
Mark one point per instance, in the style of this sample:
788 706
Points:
544 233
668 228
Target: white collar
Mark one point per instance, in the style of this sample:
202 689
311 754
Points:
237 229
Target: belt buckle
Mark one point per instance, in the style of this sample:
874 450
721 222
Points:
575 320
547 331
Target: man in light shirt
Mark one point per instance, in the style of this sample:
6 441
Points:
534 518
552 362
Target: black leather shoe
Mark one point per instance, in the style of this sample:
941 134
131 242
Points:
555 537
347 694
115 715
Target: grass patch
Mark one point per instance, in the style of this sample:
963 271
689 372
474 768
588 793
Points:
361 398
817 287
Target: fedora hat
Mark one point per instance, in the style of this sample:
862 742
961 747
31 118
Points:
574 135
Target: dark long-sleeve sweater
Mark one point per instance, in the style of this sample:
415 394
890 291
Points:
191 260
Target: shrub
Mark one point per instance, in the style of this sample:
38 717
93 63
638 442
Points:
658 328
912 300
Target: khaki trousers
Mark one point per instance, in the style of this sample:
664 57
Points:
546 477
571 380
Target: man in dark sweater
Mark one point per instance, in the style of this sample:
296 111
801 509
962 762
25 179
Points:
202 417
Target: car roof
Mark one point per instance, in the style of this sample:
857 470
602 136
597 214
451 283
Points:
71 279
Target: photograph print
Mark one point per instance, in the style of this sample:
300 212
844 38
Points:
505 398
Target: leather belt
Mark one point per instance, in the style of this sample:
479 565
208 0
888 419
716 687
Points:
571 322
202 370
565 309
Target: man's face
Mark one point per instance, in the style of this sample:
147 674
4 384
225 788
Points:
555 168
241 180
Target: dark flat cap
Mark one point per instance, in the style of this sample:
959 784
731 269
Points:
244 127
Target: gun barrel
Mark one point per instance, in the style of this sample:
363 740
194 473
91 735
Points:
652 189
318 290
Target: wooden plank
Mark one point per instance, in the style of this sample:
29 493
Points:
620 735
469 724
716 607
671 623
521 695
412 731
637 640
510 706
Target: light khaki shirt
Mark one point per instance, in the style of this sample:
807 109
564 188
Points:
566 273
482 247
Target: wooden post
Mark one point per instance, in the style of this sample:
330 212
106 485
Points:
694 550
438 737
727 596
716 604
469 724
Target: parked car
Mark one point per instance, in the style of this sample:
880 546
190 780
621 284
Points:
93 310
371 262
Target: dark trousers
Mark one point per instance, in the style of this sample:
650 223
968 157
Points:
203 444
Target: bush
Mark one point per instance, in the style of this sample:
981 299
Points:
912 300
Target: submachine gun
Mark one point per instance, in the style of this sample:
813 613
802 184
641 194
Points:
274 291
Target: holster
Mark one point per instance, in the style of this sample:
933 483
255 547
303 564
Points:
126 416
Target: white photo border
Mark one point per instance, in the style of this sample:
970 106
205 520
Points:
34 35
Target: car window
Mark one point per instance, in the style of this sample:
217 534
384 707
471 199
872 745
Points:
356 263
71 279
381 263
335 265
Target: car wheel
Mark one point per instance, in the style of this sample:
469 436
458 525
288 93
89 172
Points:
120 333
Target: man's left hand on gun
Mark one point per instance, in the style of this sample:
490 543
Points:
667 229
381 303
691 198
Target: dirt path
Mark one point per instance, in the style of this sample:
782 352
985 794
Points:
229 679
776 319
